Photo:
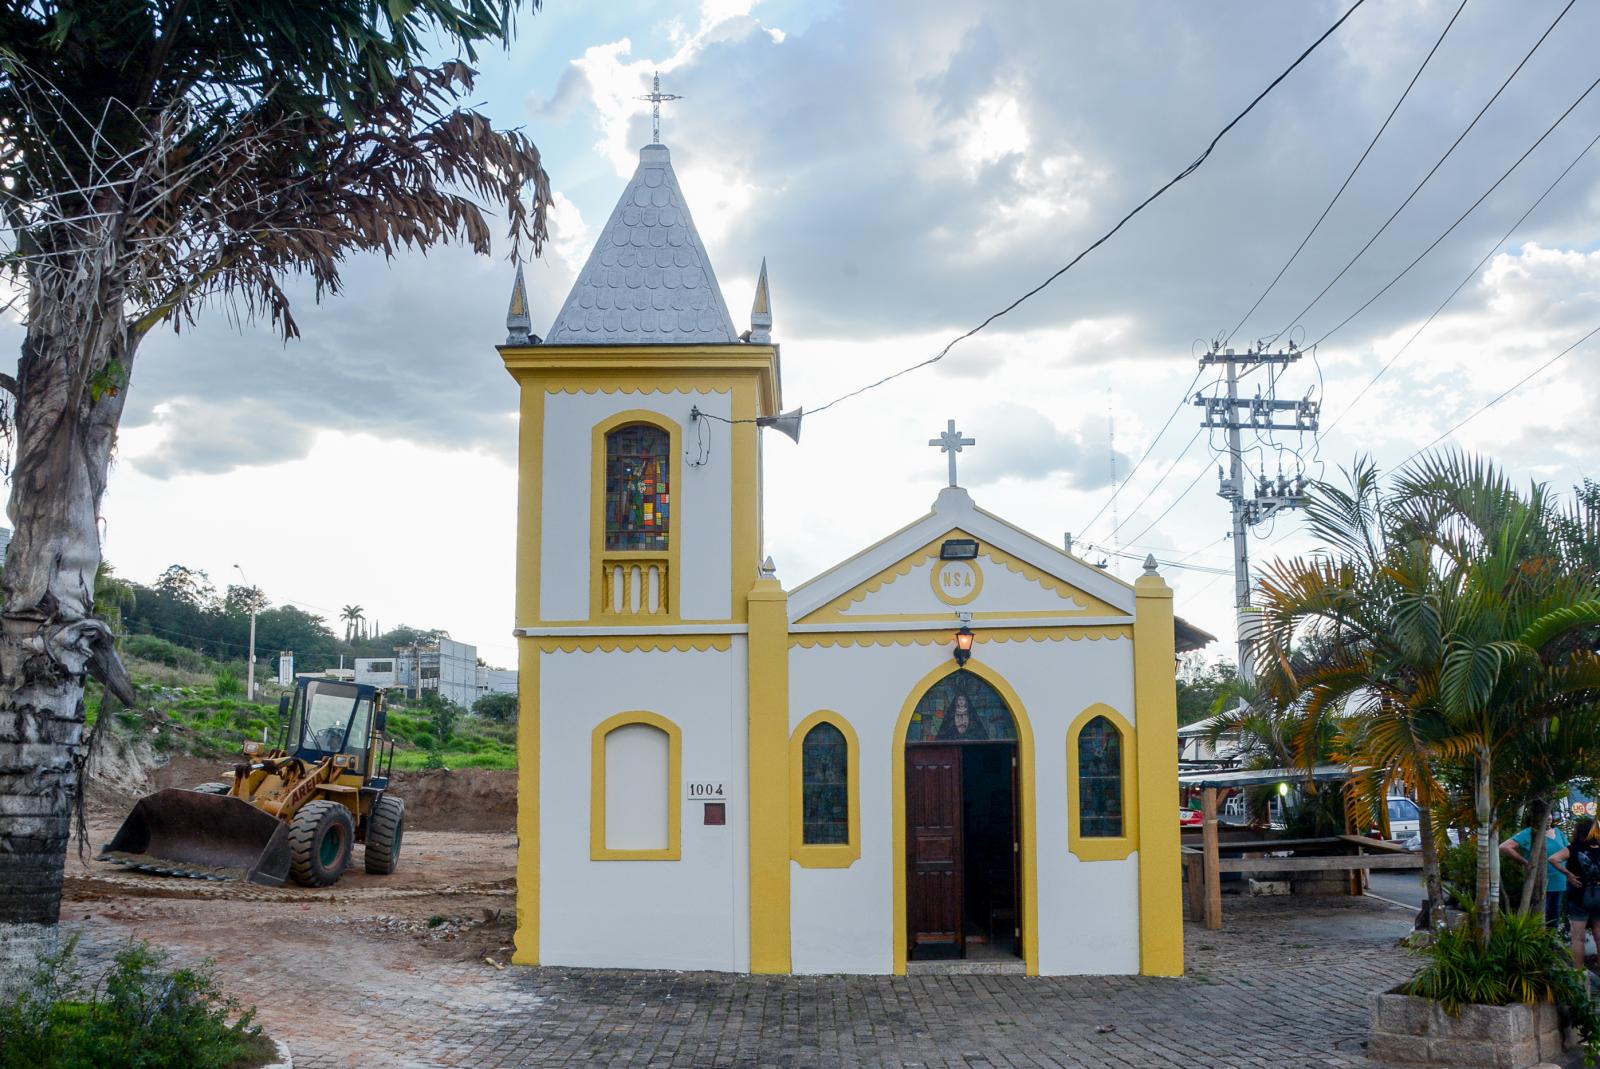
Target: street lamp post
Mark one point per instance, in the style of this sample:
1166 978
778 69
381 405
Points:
250 671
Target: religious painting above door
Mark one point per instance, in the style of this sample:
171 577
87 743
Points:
962 707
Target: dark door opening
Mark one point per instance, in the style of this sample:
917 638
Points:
963 831
993 846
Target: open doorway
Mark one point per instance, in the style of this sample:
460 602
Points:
963 833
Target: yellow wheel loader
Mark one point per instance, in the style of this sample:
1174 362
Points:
293 811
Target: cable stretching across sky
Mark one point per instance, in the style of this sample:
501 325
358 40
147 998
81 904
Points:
1431 172
1347 178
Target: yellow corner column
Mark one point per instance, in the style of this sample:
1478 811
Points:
530 469
1155 695
769 777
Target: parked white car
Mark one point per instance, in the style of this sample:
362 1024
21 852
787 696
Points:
1405 818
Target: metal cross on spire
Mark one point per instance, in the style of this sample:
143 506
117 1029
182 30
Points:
655 97
951 442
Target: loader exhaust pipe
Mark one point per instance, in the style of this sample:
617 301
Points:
176 832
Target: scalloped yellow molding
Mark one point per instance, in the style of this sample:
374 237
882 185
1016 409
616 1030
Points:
836 610
608 391
634 643
809 640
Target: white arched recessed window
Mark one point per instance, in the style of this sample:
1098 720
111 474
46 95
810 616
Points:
635 801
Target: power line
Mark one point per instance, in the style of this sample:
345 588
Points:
1159 560
1180 176
1506 393
1204 468
1470 275
1460 218
1182 400
1432 171
1157 485
1347 178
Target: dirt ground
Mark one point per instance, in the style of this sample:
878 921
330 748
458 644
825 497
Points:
449 904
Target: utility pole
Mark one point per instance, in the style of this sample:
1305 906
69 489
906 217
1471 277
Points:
1253 505
250 672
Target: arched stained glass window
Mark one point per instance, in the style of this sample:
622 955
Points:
638 494
1100 779
825 783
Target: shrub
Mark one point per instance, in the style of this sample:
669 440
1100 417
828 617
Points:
228 684
159 650
1523 961
501 708
1458 868
141 1012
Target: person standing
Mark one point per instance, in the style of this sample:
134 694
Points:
1556 852
1583 895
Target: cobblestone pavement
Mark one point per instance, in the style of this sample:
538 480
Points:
1285 985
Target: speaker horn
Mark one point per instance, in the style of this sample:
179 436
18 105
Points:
784 422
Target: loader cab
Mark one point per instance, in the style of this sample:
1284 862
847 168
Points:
332 717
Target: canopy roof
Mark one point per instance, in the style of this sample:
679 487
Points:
1263 777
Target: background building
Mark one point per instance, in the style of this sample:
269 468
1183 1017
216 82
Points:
442 665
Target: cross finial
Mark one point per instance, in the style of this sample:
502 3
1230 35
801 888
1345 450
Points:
950 442
655 97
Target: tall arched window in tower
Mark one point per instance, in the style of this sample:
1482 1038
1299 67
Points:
638 491
1100 810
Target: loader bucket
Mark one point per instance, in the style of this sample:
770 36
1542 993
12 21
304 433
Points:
204 836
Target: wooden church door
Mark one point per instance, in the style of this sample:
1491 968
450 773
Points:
933 843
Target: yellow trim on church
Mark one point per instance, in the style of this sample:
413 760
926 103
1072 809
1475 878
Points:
598 850
1076 602
526 939
824 855
1025 788
1103 847
1155 703
768 690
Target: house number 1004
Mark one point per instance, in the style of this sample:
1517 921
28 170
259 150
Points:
706 791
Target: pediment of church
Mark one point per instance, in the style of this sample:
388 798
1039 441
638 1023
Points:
1012 576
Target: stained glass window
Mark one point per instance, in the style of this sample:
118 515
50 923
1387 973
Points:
962 707
1100 779
825 779
638 499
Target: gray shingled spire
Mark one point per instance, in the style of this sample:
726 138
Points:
761 310
518 323
648 280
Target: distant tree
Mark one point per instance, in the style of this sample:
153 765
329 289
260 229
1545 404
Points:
499 707
157 156
242 600
191 586
352 615
113 596
1205 689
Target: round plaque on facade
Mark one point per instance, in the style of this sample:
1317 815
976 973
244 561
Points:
957 582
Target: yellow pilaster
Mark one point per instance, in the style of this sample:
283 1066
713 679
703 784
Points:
1155 695
530 479
769 777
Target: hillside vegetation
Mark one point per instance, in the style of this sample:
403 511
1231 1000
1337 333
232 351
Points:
192 704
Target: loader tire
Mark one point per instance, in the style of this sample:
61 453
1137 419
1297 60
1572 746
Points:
320 840
386 825
213 788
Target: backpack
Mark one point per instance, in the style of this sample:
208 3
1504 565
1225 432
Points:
1588 870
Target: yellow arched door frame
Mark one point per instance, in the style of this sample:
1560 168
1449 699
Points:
1030 825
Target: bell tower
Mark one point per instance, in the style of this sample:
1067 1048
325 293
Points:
652 647
639 498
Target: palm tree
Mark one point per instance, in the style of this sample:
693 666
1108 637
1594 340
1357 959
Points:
1361 603
1457 628
352 615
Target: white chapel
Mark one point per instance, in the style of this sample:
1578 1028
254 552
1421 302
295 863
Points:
958 744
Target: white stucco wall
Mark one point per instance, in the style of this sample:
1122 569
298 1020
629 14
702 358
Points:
842 919
702 501
687 914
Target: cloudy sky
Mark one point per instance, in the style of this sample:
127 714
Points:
907 169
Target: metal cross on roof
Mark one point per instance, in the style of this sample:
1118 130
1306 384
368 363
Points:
951 442
655 97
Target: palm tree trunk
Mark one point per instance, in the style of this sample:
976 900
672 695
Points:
50 641
1430 866
1487 889
1536 879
